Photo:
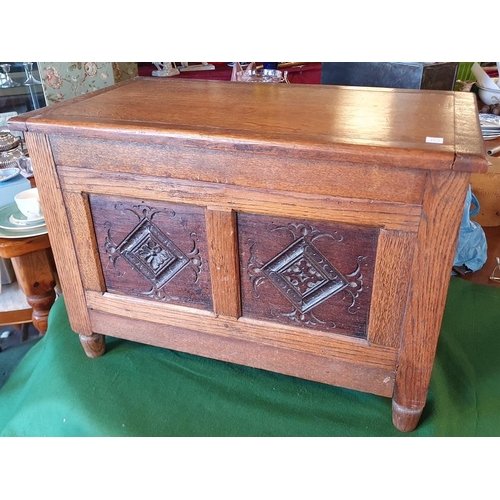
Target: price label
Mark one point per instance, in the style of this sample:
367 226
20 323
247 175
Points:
434 140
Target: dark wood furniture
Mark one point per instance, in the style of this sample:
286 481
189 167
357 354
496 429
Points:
308 230
401 75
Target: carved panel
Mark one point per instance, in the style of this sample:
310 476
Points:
153 250
311 274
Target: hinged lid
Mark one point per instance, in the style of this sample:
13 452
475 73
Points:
423 129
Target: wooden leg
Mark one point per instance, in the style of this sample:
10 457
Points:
444 197
36 279
405 419
93 345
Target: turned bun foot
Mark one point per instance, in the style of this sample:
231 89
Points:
405 419
94 345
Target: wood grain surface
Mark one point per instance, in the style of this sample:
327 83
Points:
303 120
308 230
56 217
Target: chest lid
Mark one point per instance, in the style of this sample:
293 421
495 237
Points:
425 129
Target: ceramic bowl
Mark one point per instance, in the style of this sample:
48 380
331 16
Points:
489 96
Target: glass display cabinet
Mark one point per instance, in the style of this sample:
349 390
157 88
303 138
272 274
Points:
20 89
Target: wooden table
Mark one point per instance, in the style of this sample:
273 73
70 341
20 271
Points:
303 229
33 265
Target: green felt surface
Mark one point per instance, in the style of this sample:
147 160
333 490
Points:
140 390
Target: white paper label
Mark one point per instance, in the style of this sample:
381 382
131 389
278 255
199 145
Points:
434 140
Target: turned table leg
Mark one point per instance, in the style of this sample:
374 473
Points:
37 280
35 272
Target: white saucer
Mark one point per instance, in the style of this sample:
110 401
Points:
20 219
8 173
13 221
490 137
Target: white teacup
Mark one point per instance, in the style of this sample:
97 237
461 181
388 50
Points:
28 203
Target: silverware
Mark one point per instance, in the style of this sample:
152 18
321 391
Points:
493 151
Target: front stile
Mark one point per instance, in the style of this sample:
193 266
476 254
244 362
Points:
62 245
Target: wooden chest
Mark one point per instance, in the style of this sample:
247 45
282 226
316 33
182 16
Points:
308 230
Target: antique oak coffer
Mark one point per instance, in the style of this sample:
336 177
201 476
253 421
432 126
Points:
304 229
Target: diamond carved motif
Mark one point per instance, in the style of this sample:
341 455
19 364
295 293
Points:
304 276
152 253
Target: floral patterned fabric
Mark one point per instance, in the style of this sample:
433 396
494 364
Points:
65 80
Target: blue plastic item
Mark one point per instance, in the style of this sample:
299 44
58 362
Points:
472 247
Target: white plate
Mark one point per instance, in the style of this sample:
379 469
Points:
8 173
5 233
489 120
